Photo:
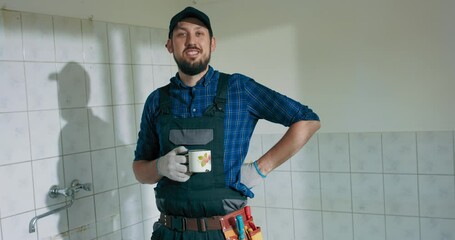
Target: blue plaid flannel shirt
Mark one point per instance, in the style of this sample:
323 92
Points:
247 102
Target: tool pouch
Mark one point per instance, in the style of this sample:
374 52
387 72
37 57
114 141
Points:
230 230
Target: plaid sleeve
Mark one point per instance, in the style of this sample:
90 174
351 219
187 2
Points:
270 105
147 147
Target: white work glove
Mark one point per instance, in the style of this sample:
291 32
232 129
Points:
250 175
172 165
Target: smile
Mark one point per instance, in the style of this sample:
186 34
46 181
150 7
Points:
192 52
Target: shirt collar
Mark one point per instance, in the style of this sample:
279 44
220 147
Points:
205 80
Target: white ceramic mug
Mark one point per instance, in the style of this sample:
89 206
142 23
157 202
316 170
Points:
199 160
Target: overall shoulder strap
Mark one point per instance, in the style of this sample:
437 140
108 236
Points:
165 99
221 92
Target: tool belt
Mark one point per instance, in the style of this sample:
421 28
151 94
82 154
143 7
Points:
229 224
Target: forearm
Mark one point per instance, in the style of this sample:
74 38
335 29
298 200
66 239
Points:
293 140
146 171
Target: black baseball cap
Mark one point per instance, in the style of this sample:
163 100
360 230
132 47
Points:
187 13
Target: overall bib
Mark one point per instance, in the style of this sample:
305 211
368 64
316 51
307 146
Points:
204 194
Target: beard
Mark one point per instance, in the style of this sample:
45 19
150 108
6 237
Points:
192 68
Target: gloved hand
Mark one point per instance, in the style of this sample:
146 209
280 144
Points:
172 165
250 175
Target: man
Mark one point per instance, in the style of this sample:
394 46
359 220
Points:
202 108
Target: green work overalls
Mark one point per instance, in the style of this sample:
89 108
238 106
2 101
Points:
204 194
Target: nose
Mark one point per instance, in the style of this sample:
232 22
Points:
190 39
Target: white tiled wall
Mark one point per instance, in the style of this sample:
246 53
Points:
357 186
71 96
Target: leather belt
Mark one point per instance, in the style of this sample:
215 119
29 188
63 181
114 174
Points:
190 224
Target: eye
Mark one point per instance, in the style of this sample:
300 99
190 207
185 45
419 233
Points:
199 34
180 34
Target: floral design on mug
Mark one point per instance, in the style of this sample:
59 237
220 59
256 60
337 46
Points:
204 159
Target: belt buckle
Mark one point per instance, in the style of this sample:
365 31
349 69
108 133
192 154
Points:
202 225
183 224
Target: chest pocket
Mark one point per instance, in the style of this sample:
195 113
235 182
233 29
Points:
194 137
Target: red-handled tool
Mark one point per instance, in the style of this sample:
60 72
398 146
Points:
248 212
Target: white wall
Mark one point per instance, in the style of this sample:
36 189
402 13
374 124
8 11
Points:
364 66
151 13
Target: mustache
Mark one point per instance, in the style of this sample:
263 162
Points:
192 48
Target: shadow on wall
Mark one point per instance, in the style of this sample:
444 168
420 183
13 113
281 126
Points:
75 161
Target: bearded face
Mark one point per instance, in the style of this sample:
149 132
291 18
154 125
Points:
191 46
193 67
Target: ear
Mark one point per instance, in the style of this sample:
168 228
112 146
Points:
213 44
169 47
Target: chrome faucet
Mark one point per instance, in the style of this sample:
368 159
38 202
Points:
57 191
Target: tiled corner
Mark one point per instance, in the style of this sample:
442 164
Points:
334 152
